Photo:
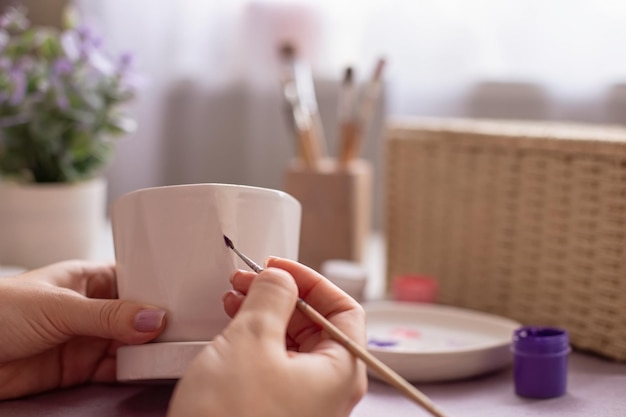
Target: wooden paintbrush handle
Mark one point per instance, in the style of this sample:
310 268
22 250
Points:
386 373
309 151
319 138
350 142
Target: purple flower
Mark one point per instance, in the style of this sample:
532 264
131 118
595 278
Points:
14 20
101 63
61 99
88 42
62 66
133 81
5 63
125 62
4 40
80 44
129 79
71 45
18 79
88 37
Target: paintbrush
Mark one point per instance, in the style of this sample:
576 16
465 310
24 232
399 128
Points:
386 373
349 129
288 84
309 151
372 93
309 130
353 130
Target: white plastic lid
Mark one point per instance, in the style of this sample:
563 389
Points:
350 276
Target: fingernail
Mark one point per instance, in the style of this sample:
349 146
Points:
234 274
231 293
269 259
149 320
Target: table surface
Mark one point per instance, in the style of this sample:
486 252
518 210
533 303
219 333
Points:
596 387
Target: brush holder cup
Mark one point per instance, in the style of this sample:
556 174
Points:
336 209
170 253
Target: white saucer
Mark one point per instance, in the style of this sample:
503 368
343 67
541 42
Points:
156 361
429 342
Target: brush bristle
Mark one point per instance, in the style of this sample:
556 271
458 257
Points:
380 65
228 242
348 75
287 50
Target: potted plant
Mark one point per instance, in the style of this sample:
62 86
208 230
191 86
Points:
61 106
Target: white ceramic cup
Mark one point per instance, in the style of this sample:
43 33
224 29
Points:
170 250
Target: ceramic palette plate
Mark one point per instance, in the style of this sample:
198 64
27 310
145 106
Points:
429 342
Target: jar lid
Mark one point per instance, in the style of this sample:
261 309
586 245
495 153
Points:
416 288
540 341
350 276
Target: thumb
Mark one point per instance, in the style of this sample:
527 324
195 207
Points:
268 306
114 319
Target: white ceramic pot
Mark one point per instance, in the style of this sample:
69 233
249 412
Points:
45 223
170 250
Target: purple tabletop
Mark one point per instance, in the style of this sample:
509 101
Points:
597 387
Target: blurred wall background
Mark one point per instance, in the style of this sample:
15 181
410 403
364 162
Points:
211 111
48 12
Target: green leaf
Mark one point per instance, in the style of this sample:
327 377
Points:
49 47
119 124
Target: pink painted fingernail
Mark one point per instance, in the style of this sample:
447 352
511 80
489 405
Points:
149 320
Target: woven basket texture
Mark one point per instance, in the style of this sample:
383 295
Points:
521 219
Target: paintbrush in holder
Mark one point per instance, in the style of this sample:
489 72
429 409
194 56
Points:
335 193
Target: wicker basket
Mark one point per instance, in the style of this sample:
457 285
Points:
522 219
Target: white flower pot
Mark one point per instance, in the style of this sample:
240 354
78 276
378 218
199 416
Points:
45 223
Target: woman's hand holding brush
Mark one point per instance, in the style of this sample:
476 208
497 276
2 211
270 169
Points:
272 360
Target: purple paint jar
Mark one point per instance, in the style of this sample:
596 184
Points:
540 361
